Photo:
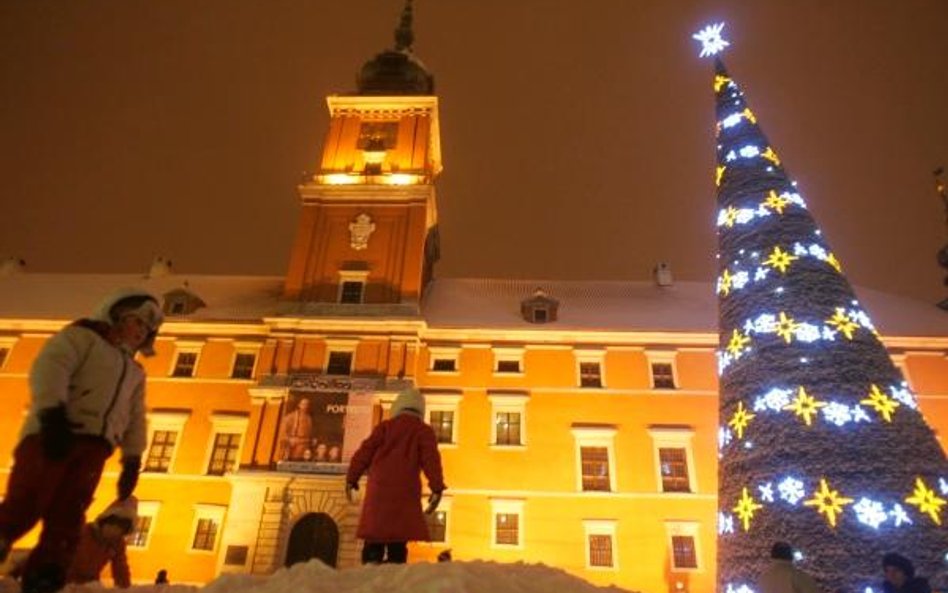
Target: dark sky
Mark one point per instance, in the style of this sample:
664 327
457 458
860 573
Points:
577 135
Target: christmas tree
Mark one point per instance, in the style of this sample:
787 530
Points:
821 442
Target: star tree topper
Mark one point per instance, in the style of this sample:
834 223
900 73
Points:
711 40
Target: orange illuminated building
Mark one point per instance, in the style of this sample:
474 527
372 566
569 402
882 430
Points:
577 420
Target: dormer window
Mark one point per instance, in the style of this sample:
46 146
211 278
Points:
352 286
181 301
539 308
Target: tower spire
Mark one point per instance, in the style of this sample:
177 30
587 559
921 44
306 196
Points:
404 36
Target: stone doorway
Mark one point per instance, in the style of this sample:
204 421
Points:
315 535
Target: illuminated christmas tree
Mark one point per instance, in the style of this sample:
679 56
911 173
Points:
821 442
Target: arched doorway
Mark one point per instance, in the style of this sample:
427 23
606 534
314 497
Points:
315 535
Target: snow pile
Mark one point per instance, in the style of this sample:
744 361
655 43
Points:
445 577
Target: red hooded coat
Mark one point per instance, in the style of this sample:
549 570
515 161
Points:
394 455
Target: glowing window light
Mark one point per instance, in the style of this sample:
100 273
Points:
340 179
870 512
401 179
712 42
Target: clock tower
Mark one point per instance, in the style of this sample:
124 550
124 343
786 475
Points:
368 231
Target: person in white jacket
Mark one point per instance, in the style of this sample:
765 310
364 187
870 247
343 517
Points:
782 576
87 397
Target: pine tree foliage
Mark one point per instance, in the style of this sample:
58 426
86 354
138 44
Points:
821 442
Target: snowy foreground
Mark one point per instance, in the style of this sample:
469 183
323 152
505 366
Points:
446 577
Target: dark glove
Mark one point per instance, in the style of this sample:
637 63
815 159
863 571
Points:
128 479
350 489
433 501
56 437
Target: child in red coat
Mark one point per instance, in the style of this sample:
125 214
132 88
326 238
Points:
394 455
103 542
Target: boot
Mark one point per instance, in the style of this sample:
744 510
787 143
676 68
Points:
46 579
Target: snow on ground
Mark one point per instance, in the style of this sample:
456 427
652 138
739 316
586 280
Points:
445 577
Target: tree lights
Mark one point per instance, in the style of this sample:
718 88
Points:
821 443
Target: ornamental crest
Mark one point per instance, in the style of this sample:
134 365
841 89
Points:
360 230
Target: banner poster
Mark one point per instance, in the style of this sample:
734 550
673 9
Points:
322 426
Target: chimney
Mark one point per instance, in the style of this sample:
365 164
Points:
160 267
10 266
662 274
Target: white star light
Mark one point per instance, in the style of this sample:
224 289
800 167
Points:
837 413
791 490
711 40
943 485
899 515
725 523
870 512
766 492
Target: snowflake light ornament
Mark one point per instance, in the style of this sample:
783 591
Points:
791 490
711 40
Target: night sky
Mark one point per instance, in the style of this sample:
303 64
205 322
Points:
577 136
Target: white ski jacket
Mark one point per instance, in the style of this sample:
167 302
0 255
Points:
102 386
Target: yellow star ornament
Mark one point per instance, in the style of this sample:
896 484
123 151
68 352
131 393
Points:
738 344
775 202
779 259
880 402
724 283
828 502
720 81
771 156
749 115
805 406
927 501
787 327
719 174
740 420
746 507
831 260
843 323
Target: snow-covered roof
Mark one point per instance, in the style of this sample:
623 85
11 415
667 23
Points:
448 302
635 306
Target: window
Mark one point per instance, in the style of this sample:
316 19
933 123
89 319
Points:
661 364
4 353
144 523
161 451
340 363
244 364
507 524
539 315
443 360
595 457
352 286
662 376
6 347
442 410
508 413
508 361
351 292
383 132
683 543
442 421
600 544
674 468
674 460
444 364
186 359
207 527
589 365
224 454
165 428
683 550
236 555
595 468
